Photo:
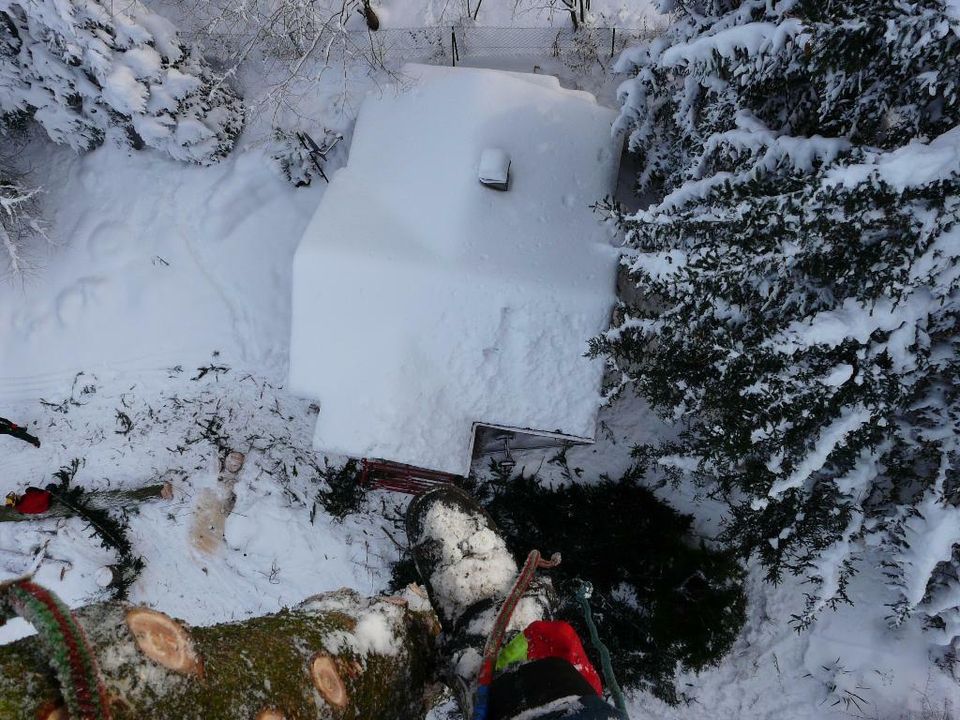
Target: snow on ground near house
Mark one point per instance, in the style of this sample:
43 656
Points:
154 264
466 304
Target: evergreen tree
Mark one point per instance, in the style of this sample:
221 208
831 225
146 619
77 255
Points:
802 273
86 72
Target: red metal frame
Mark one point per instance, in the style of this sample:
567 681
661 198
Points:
398 477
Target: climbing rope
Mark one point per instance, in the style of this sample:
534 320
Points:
584 591
492 647
65 646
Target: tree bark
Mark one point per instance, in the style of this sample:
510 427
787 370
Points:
334 656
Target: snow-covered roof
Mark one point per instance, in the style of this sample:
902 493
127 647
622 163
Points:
425 303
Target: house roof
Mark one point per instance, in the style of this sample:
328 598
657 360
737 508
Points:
424 302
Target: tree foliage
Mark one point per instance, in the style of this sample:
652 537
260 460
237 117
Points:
802 271
88 71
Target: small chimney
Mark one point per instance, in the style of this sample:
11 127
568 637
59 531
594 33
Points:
495 169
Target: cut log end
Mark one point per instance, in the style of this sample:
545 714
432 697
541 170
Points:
53 712
107 576
326 679
269 713
164 640
233 462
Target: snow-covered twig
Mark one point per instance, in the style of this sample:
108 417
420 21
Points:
19 222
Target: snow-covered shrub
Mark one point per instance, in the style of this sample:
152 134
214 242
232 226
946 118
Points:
804 261
292 158
87 71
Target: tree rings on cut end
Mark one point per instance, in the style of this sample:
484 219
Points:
326 679
270 713
164 640
233 462
53 712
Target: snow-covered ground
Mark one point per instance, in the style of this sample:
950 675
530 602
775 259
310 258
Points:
157 271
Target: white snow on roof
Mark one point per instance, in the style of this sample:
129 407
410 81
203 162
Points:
424 302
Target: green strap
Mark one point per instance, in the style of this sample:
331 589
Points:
584 591
514 651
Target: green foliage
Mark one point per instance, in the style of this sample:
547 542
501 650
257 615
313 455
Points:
292 158
112 531
803 285
344 494
661 598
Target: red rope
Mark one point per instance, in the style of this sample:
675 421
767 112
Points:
492 647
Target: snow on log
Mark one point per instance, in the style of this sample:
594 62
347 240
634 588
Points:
337 655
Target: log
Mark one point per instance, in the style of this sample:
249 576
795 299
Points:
105 499
336 655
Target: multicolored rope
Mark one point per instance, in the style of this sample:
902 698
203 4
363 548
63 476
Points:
65 645
492 647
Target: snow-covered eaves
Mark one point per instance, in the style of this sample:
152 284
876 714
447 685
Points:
424 302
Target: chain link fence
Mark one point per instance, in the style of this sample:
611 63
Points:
455 44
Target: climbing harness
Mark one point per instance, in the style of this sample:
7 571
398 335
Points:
584 591
65 646
492 647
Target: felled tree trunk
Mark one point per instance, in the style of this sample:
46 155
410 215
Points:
335 656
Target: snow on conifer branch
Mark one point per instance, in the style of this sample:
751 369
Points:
803 274
89 72
19 223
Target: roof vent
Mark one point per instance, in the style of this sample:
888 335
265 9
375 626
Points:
495 169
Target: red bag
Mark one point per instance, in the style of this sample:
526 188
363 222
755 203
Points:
553 638
33 502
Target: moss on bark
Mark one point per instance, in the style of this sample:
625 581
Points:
260 663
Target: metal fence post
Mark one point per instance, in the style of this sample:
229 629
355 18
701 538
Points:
613 42
454 53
